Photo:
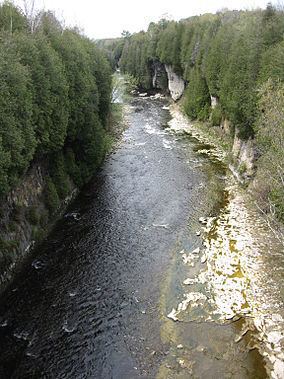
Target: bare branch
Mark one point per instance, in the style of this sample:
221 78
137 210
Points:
31 11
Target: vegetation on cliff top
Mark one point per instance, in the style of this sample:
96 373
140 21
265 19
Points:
55 98
227 55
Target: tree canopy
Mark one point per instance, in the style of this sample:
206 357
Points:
227 55
55 97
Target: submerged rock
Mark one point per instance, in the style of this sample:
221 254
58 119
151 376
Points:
138 109
173 315
203 259
38 264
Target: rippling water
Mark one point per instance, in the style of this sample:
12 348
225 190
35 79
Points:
90 304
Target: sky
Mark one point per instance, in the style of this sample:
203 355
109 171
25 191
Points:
108 18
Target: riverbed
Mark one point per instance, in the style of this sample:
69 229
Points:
99 296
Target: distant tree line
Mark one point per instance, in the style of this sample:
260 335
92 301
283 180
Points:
236 57
112 48
227 55
55 89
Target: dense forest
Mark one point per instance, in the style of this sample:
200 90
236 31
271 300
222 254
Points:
55 99
236 57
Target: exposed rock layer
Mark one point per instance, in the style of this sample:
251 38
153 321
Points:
176 83
159 76
24 217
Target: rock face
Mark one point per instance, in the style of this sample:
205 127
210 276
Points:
176 84
214 102
23 217
226 126
244 153
159 76
16 231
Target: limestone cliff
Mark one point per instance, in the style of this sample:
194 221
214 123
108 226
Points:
244 154
159 76
176 83
24 219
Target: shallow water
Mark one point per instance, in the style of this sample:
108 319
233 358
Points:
93 302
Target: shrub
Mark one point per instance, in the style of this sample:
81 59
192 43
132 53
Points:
51 197
59 175
216 116
32 215
197 97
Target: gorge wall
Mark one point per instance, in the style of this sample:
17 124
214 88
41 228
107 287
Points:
243 151
176 84
55 117
25 219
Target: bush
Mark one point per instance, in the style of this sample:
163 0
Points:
197 97
32 215
276 196
55 93
270 136
59 175
72 168
216 116
204 113
8 245
38 233
51 197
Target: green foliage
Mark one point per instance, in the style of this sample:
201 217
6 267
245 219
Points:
38 233
17 136
72 168
197 97
270 137
56 90
272 25
33 216
130 83
51 197
50 89
168 47
102 72
272 63
239 82
11 18
233 52
134 59
7 246
216 116
59 175
112 49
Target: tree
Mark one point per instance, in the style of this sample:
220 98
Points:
168 48
272 25
11 18
55 96
17 135
125 34
50 88
32 14
270 138
197 97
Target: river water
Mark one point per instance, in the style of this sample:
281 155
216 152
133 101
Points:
94 299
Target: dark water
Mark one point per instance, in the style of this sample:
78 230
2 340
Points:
88 305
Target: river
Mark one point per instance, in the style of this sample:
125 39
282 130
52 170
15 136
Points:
94 299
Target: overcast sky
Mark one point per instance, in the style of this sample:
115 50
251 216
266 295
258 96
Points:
108 18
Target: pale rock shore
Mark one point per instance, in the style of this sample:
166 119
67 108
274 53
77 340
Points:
180 124
243 266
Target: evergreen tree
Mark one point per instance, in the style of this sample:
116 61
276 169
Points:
197 97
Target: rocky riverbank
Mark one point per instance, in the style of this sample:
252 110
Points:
243 265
